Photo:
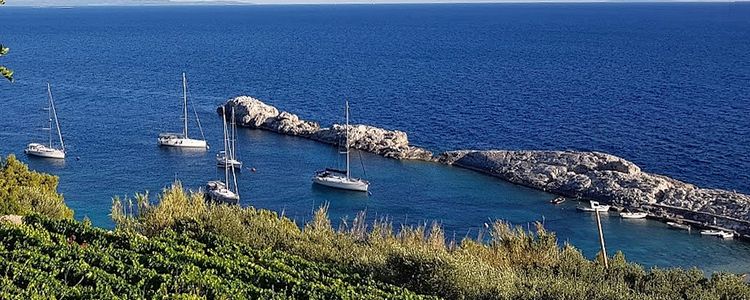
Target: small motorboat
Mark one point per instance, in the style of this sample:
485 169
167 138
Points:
679 225
727 235
711 232
557 200
633 215
595 206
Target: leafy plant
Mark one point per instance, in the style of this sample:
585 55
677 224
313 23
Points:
24 192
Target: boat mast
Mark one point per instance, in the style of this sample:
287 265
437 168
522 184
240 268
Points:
49 115
347 139
226 153
234 137
184 105
234 178
57 122
234 155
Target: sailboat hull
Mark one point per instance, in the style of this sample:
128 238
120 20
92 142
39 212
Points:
341 182
222 161
217 191
231 163
40 150
181 142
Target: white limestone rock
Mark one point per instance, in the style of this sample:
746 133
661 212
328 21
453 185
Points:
253 113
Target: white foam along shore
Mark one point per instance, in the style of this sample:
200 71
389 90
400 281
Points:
587 175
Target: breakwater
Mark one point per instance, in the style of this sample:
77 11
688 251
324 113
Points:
585 175
253 113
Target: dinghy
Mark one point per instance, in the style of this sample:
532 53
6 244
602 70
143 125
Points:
594 206
677 225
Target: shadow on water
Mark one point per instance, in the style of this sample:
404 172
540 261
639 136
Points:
329 192
184 152
35 162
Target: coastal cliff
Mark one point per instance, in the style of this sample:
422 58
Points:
585 175
253 113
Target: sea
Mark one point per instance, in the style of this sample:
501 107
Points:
665 85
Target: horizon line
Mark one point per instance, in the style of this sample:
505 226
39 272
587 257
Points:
405 2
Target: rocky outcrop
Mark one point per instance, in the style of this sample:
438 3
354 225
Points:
609 179
389 143
586 175
253 113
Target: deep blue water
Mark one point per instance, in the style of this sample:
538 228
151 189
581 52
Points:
664 85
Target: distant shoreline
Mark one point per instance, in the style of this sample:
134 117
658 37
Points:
352 3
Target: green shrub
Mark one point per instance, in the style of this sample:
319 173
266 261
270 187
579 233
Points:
23 192
511 264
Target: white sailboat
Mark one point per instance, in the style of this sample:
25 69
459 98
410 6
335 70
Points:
229 156
40 150
224 191
181 140
341 179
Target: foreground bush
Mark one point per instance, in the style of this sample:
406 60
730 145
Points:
510 263
66 259
24 192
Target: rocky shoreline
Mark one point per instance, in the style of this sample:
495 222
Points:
610 179
586 175
253 113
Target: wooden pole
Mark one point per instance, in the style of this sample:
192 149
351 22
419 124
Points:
601 239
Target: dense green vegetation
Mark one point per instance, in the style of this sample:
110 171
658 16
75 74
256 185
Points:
512 264
67 259
23 192
183 247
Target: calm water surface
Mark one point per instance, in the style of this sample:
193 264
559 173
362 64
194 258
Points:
664 85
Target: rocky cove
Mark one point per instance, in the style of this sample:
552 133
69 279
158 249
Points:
585 175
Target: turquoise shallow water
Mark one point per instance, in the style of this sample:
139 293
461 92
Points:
467 76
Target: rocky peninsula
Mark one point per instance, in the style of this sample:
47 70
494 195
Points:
253 113
586 175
